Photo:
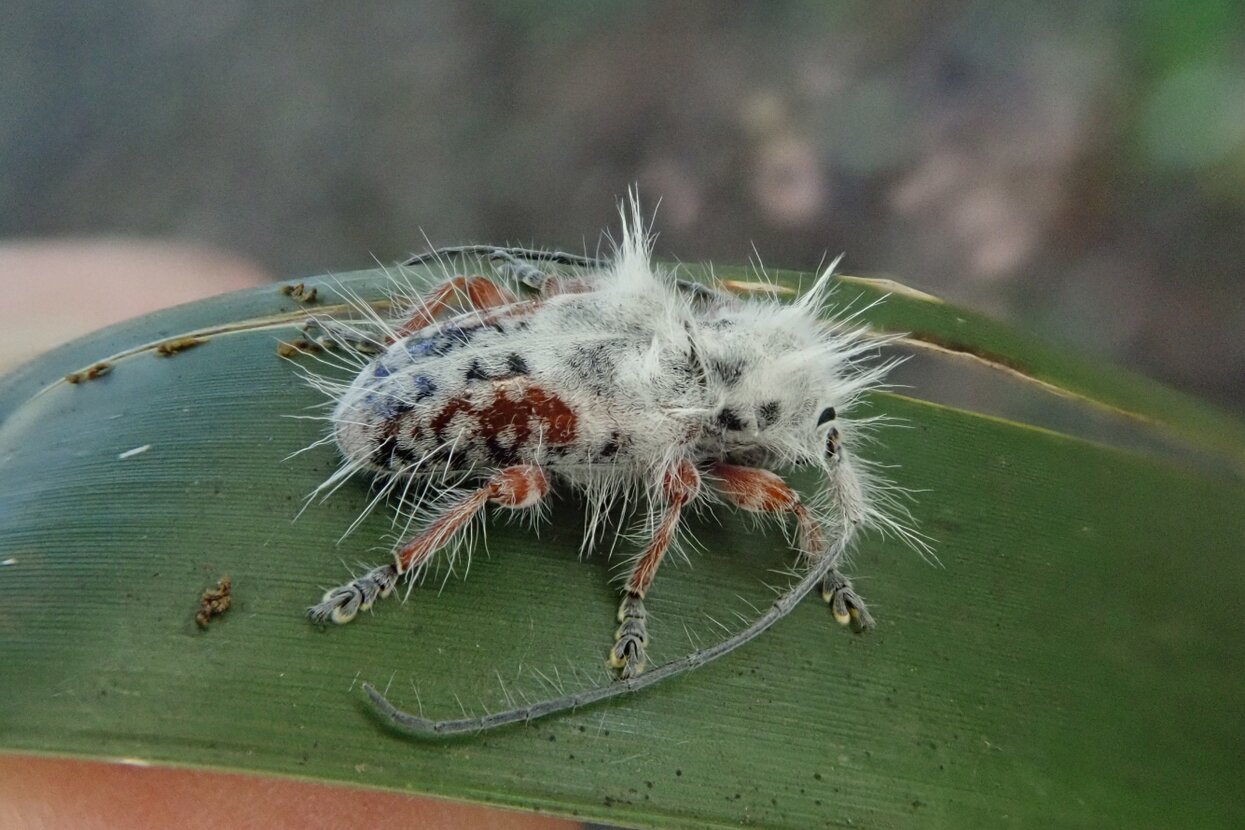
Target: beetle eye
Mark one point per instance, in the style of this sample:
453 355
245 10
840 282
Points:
826 416
832 442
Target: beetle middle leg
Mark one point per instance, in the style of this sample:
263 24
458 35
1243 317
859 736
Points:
680 483
517 487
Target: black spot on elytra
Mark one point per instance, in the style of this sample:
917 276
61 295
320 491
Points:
514 366
768 413
611 447
424 388
730 372
432 346
729 420
446 339
695 367
390 454
382 456
443 452
500 454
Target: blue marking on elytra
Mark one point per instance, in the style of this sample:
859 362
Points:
377 403
381 371
384 406
424 388
460 334
432 346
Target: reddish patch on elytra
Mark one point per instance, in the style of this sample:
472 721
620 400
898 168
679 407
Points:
452 407
525 409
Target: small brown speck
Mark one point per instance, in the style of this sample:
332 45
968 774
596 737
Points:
299 346
214 601
171 347
300 292
91 373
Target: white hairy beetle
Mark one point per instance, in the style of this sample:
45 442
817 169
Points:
629 384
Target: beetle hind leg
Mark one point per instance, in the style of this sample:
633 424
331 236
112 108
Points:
628 655
518 487
340 605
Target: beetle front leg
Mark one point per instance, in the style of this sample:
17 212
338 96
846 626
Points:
761 491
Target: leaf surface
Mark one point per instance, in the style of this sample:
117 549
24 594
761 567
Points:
1074 661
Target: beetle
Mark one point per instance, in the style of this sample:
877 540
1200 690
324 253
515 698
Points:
629 384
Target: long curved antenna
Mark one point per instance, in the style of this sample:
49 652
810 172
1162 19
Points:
426 728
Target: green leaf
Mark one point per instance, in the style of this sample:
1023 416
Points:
1074 660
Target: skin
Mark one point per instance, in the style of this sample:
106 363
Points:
55 292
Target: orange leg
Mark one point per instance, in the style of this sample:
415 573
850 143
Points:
479 293
456 295
761 491
679 486
514 487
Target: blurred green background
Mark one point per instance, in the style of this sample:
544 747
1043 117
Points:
1078 167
